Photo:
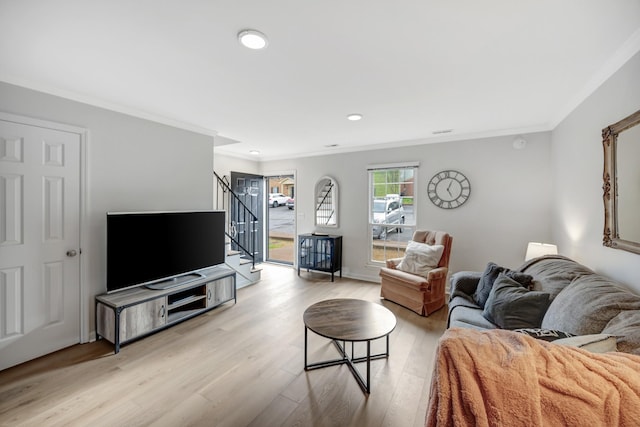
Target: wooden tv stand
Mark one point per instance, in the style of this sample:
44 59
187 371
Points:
127 315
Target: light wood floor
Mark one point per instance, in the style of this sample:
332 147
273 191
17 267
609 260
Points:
237 365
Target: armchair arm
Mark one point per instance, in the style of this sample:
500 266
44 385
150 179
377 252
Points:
464 284
439 273
394 262
435 279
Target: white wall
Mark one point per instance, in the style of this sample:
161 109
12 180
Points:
577 153
509 204
225 164
132 164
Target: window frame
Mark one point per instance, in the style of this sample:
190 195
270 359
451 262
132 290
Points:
391 248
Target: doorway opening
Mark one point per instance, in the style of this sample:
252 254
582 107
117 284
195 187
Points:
281 218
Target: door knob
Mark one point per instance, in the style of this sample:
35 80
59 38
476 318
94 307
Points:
71 253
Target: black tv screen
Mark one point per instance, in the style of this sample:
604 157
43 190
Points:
145 247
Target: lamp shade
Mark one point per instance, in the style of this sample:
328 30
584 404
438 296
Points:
535 250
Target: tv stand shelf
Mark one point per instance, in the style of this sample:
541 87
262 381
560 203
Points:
183 301
131 314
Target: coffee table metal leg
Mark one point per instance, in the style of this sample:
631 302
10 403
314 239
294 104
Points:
306 332
368 366
350 361
387 346
344 358
342 349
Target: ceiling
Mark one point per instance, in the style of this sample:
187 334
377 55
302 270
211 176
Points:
411 67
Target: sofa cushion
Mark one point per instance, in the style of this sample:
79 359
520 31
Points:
465 313
420 258
457 323
510 306
489 276
588 304
553 273
626 327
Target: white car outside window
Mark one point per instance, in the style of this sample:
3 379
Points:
387 211
277 199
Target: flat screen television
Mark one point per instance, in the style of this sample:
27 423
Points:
162 249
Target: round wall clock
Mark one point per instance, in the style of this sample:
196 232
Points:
449 189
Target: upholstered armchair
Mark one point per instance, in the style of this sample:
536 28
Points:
423 294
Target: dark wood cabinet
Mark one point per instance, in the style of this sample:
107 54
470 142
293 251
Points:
320 252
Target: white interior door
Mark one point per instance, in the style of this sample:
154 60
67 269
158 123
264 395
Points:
39 241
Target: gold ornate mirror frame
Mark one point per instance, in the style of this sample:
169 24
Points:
610 142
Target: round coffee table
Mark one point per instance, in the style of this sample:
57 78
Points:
351 320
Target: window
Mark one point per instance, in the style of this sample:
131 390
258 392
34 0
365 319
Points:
392 209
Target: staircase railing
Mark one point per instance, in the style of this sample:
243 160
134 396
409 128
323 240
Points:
241 225
325 210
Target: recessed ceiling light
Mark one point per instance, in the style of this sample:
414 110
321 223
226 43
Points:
252 39
254 152
354 117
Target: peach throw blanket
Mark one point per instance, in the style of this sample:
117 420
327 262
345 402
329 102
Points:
503 378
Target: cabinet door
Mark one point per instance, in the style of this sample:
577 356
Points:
221 290
324 251
142 318
305 252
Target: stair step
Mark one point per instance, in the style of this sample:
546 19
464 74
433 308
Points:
242 281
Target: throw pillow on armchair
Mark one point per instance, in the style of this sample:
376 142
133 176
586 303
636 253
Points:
420 258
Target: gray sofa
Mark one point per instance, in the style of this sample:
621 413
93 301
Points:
580 302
